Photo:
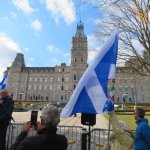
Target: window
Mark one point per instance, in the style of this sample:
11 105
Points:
66 87
81 59
61 97
50 87
75 59
29 87
62 87
34 87
63 69
47 98
59 79
62 79
75 78
40 87
74 86
41 79
51 79
30 79
131 79
35 79
45 87
45 79
59 70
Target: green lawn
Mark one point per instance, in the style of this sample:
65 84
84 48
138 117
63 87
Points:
129 119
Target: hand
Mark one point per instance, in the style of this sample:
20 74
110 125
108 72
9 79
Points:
26 127
1 102
39 126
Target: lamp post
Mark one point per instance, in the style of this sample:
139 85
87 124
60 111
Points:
20 97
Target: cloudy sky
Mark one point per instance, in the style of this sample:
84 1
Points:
42 30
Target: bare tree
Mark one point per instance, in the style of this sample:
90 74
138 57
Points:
131 17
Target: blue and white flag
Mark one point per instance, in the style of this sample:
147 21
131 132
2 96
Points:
90 95
3 83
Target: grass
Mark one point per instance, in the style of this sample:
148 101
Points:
129 119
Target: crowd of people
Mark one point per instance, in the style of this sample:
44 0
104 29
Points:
47 138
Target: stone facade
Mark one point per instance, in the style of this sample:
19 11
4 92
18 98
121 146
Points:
57 83
49 83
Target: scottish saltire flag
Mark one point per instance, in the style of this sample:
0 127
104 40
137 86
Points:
3 83
90 95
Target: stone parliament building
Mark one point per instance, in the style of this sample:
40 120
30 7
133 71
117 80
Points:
53 84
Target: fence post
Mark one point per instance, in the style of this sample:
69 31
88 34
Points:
84 139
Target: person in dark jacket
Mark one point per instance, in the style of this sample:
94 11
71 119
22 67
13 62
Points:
142 135
6 109
46 138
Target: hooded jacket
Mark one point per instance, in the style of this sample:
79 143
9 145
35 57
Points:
142 135
122 139
46 139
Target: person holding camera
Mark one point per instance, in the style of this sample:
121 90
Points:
46 138
6 109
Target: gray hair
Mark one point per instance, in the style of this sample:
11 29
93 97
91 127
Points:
124 125
50 115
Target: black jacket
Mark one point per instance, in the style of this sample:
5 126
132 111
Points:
6 110
46 139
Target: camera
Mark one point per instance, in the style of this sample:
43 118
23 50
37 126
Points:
34 115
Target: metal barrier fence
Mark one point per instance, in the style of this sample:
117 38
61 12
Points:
72 133
99 138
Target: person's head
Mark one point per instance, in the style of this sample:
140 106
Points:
3 93
124 125
50 116
139 113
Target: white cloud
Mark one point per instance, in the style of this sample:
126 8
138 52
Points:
93 47
8 50
53 49
23 5
137 45
26 49
54 61
32 59
13 15
37 25
61 9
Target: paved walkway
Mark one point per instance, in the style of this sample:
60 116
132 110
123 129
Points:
101 122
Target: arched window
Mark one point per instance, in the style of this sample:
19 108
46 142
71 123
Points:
47 98
62 87
75 77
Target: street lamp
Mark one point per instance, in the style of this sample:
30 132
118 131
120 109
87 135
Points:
20 97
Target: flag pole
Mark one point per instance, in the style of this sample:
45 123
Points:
108 136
